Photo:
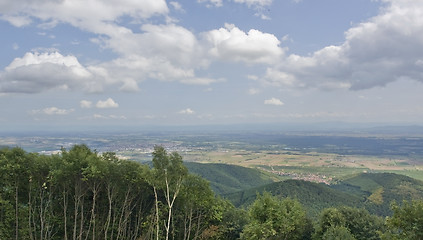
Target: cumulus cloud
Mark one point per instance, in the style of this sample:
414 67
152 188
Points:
386 48
99 116
53 111
171 42
162 52
249 3
210 3
36 72
253 91
166 52
85 104
232 44
171 49
259 5
109 103
177 6
88 14
129 85
273 101
187 111
132 69
103 117
200 81
255 2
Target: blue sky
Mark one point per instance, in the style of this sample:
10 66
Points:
198 62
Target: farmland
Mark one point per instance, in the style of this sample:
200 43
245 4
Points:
314 156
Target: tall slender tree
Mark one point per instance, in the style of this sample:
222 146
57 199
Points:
168 174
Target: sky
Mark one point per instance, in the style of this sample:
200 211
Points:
82 63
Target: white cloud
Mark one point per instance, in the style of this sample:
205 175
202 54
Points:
255 2
36 72
87 14
129 85
53 111
279 79
253 91
249 3
273 101
210 3
109 103
187 111
168 42
104 117
85 104
161 52
232 44
381 50
99 116
253 77
200 81
177 6
166 52
17 20
132 69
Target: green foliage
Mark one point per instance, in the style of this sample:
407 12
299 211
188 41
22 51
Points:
313 196
272 218
225 178
233 222
337 233
196 209
380 189
406 221
359 223
353 192
81 194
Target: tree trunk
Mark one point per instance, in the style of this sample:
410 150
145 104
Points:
31 236
109 214
65 209
157 212
16 212
171 202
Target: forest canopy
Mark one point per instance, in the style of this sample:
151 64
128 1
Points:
83 194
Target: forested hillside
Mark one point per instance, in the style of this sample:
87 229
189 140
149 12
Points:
81 194
373 191
226 178
313 196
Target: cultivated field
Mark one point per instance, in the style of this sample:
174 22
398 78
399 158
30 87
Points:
321 157
313 166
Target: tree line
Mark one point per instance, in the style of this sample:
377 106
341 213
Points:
81 194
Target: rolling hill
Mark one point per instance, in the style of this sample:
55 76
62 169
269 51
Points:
373 191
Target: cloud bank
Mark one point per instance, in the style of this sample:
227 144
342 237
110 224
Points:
384 49
381 50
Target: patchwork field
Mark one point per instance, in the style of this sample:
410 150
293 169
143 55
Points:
313 166
318 156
